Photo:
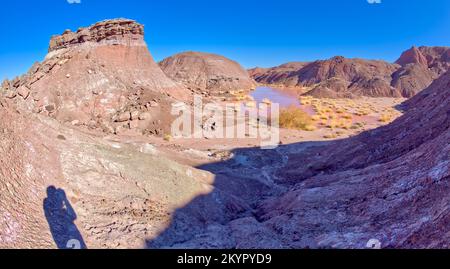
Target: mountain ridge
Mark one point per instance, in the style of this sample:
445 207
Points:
341 77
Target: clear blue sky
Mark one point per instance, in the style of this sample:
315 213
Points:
253 32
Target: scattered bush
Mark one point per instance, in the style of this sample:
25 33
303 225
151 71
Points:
330 136
295 118
385 118
316 118
167 137
310 128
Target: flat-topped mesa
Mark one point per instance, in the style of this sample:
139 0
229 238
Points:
114 32
97 77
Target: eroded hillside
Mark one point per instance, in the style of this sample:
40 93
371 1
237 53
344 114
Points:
340 77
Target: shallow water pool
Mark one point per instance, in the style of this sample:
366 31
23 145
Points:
284 98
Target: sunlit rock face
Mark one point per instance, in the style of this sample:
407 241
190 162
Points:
107 32
419 67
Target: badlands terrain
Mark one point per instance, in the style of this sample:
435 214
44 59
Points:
340 77
88 159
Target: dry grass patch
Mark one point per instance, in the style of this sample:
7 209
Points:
316 118
167 137
330 136
347 116
386 118
297 119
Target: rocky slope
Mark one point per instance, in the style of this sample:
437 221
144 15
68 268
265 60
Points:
419 67
340 77
280 75
206 73
121 192
102 76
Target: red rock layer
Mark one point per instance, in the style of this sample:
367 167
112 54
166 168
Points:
110 30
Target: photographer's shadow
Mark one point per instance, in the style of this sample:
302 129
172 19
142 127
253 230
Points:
61 220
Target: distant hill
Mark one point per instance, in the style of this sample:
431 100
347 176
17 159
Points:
209 73
341 77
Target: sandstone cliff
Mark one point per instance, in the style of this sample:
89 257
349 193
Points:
114 32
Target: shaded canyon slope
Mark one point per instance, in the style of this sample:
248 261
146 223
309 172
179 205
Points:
390 184
340 77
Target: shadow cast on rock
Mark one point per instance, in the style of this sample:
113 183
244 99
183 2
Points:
228 216
61 218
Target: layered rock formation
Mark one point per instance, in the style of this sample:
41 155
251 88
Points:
120 193
96 76
340 77
61 182
412 56
107 32
207 73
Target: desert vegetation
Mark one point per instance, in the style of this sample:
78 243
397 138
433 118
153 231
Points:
339 118
296 118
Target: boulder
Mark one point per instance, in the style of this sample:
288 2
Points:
135 115
134 124
5 85
145 116
123 117
10 94
23 91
